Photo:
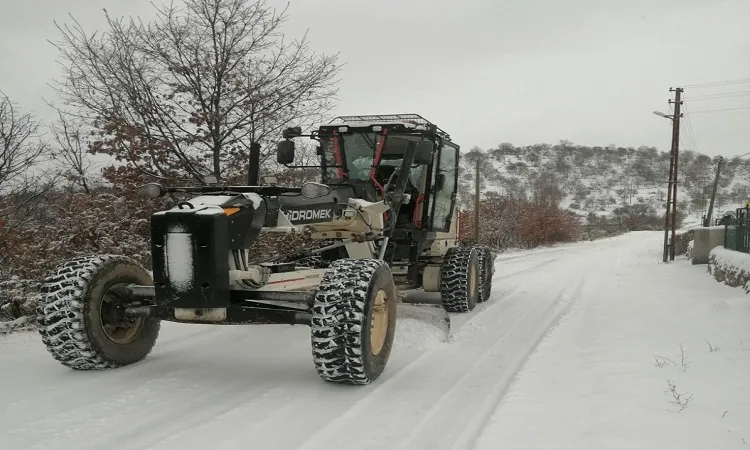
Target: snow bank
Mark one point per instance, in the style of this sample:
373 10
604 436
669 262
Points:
22 323
730 267
684 230
420 327
416 334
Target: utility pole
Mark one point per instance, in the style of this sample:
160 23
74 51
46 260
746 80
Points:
704 180
667 214
676 150
707 222
476 203
671 212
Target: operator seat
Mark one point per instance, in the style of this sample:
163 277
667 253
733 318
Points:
383 173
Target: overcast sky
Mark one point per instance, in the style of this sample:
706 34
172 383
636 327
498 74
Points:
486 71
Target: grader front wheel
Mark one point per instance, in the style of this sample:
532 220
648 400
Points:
354 321
81 319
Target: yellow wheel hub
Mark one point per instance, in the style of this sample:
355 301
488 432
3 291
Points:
379 322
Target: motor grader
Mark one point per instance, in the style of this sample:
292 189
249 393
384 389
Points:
384 217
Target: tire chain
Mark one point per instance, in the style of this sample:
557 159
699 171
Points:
339 318
485 256
60 312
454 279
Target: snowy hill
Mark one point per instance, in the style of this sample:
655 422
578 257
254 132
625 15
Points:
600 180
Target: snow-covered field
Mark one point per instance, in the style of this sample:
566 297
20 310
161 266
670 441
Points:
575 349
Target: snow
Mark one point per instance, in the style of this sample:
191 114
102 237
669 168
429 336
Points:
594 383
179 256
210 200
685 229
732 258
563 356
7 327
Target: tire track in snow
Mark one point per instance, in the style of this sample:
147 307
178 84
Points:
149 385
210 410
391 377
460 375
102 379
438 421
498 377
482 416
502 276
298 411
527 254
386 383
258 386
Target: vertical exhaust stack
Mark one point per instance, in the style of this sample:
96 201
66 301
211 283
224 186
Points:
253 169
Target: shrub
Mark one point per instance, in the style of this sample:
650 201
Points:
508 222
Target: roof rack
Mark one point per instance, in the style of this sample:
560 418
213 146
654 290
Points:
375 118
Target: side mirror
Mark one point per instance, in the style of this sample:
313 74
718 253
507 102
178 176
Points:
423 154
285 152
291 132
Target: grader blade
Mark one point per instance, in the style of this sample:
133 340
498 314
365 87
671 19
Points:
420 308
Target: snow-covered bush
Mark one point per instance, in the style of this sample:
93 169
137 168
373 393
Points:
18 300
80 223
682 240
730 267
542 224
510 222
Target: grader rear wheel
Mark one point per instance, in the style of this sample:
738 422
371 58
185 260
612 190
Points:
460 279
487 270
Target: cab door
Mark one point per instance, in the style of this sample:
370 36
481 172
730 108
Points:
444 183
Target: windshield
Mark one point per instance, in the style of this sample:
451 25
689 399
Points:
359 151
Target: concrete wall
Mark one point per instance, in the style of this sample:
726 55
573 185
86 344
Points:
705 240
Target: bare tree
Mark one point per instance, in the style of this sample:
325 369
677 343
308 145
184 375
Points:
546 190
20 142
306 155
21 190
186 94
71 151
20 213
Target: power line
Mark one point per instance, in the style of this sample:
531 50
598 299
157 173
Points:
720 95
720 110
686 138
718 83
690 131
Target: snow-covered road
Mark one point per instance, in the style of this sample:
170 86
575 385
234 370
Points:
601 311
